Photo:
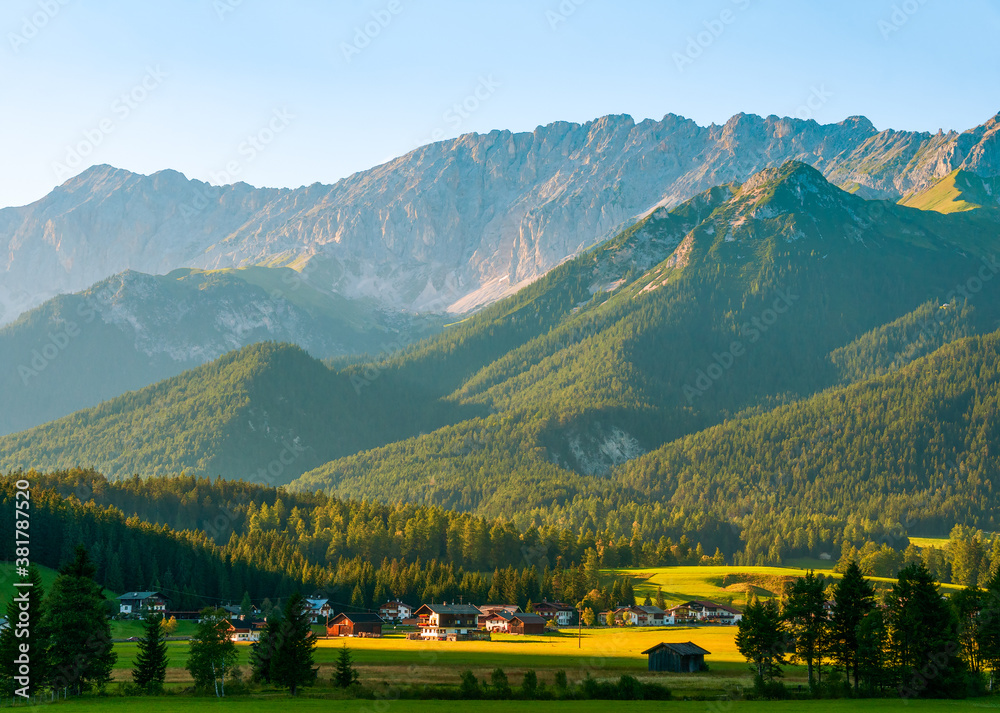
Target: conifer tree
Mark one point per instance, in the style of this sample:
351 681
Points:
761 639
81 653
805 614
853 599
150 668
345 675
292 658
35 639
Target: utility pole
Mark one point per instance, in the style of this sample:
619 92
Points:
579 630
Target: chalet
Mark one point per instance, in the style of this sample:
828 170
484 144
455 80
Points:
319 609
355 624
135 603
395 611
498 621
636 616
704 612
676 658
441 622
246 629
522 623
560 613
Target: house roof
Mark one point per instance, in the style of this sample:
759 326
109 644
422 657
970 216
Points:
554 606
448 609
685 649
141 595
317 603
500 614
651 610
397 603
357 617
529 618
490 608
704 604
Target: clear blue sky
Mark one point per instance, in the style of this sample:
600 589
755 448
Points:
229 65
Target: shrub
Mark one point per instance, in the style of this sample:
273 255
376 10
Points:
470 686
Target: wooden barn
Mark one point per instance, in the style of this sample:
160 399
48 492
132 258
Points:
526 624
355 624
676 658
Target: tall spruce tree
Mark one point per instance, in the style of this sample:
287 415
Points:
853 599
989 629
923 635
24 629
81 653
150 668
805 614
262 650
870 659
761 639
292 660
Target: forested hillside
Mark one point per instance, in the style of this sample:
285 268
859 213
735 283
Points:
650 388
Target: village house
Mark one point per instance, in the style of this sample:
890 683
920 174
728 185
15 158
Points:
636 616
704 612
487 609
498 621
236 612
395 611
137 603
522 623
447 622
558 612
361 624
245 630
676 658
319 610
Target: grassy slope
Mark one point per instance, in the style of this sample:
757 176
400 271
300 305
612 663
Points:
957 192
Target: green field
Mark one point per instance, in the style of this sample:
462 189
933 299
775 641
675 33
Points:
281 705
723 584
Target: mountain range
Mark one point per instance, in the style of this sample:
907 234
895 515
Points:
770 346
166 274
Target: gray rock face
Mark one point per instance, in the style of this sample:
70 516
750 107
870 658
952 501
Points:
452 225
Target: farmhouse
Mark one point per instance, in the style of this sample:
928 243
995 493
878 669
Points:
559 612
522 623
134 603
676 658
705 612
395 610
440 622
319 609
498 621
355 624
636 616
245 629
487 609
236 612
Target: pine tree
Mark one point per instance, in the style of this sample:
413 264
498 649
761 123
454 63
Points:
35 639
805 615
150 668
761 639
923 628
344 676
262 650
853 599
660 601
212 654
292 660
246 606
989 628
81 653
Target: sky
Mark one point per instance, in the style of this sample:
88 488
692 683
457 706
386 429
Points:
294 92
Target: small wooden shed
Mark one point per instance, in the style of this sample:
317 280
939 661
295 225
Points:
676 658
522 623
355 624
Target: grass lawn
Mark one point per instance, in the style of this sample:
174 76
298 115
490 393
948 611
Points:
282 704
